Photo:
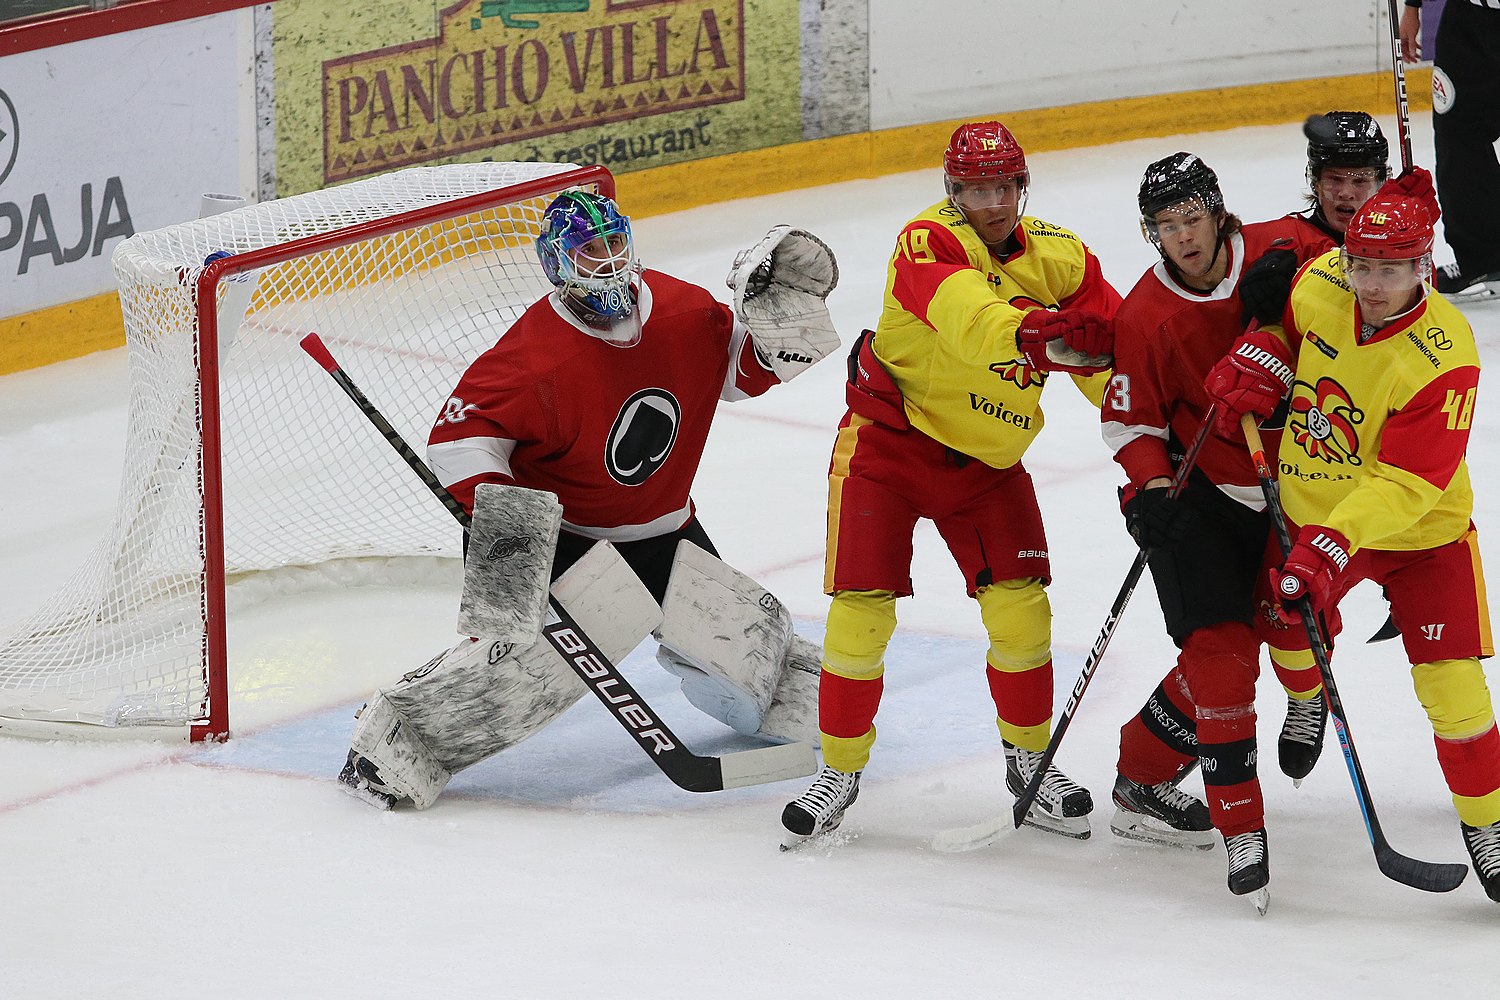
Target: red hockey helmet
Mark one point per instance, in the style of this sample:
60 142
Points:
1390 227
984 149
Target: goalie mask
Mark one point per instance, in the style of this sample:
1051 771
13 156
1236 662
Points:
587 251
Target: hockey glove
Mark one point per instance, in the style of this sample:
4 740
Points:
1266 285
1415 182
780 285
1154 518
1252 378
1073 340
1313 567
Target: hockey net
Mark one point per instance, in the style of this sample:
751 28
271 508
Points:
407 277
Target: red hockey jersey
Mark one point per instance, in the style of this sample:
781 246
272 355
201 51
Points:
616 432
1167 338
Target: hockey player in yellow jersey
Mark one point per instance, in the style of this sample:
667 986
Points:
1382 374
982 305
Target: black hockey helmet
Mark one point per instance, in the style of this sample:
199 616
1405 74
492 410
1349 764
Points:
1175 179
1349 139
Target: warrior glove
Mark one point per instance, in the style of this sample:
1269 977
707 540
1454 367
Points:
1313 567
1250 379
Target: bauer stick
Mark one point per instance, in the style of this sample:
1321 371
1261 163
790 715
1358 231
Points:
1429 876
1179 480
686 769
1403 109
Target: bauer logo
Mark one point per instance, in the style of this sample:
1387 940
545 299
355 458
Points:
507 71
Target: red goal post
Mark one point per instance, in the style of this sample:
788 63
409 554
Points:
241 474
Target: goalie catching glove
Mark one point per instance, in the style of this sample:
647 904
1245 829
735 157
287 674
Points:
1074 340
780 286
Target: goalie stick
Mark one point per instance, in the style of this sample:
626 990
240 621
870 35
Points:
1429 876
687 770
985 833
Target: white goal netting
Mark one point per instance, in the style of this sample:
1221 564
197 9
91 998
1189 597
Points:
306 479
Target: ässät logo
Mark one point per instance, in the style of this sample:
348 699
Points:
1019 372
10 135
1323 419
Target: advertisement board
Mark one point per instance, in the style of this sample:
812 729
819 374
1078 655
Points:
623 83
103 138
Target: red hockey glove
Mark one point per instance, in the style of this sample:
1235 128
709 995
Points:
1073 340
1313 567
1252 378
1415 182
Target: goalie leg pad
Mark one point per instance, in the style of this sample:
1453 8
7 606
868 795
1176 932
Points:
793 715
726 626
726 637
485 696
511 544
383 737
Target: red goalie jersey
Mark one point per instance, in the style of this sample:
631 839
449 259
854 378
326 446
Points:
615 431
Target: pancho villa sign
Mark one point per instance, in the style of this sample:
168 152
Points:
506 71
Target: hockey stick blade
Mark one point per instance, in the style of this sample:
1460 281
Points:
962 839
1429 876
1386 631
687 770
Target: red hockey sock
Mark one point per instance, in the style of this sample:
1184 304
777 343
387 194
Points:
846 707
1161 739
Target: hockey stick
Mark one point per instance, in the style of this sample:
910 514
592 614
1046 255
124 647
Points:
1111 622
1403 109
1429 876
686 769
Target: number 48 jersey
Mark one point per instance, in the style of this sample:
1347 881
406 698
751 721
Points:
1378 425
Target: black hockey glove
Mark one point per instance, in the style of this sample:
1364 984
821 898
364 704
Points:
1266 285
1154 519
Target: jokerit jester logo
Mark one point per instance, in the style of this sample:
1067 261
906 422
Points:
10 135
1324 423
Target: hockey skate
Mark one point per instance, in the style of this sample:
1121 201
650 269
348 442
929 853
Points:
820 809
1250 867
361 779
1449 281
1161 814
1061 805
1301 739
1483 843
